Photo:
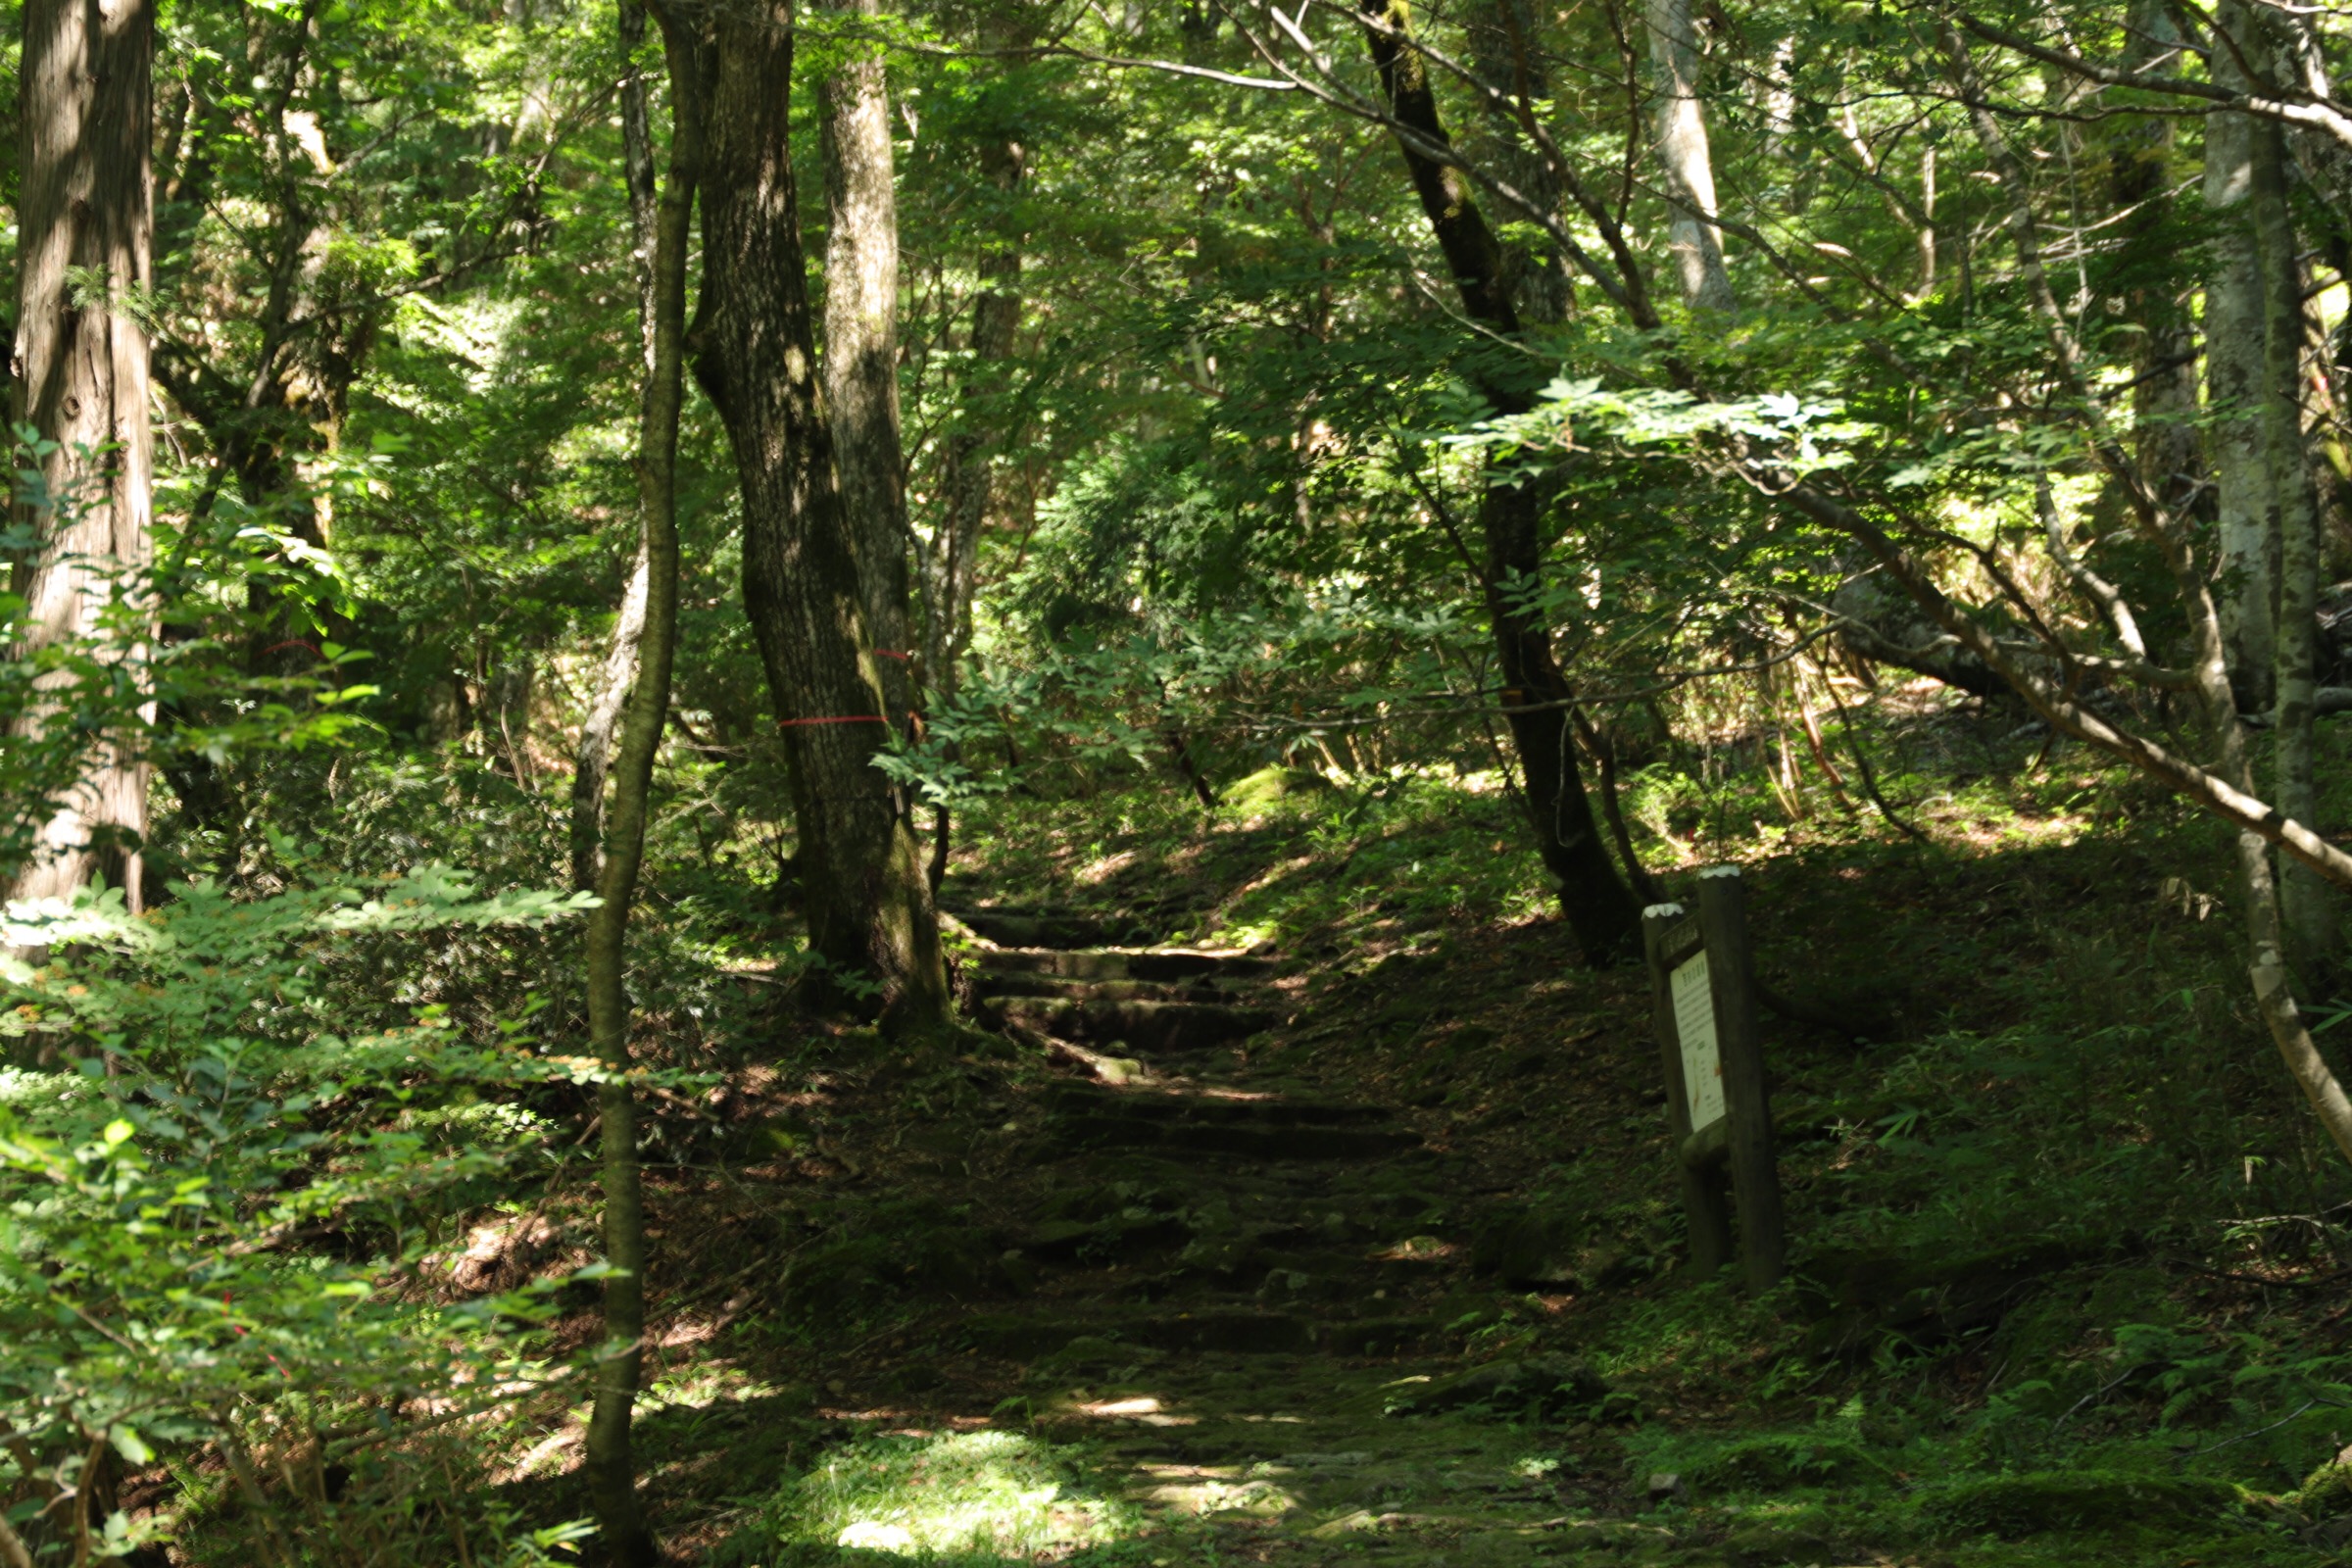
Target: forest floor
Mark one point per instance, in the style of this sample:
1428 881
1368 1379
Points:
1320 1209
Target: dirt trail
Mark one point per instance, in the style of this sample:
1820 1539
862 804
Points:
1251 1294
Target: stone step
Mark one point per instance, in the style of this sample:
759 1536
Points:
1234 1332
993 983
1056 928
1142 1026
1255 1110
1121 963
1264 1141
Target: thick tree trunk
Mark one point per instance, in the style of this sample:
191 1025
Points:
84 211
1537 697
2235 359
1685 166
869 909
610 1465
593 758
861 348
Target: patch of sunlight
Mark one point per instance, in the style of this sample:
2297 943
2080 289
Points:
1103 869
1215 1489
1142 1408
2332 302
987 1494
1243 935
698 1388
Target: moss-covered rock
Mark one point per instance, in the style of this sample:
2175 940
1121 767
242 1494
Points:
2327 1493
2057 1502
1778 1547
1778 1461
1260 791
1532 1244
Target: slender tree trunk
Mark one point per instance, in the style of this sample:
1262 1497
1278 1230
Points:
869 907
2307 905
605 703
84 211
1685 163
862 346
1537 698
599 724
2234 374
610 1467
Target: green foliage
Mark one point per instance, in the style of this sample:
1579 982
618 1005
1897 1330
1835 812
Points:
214 1110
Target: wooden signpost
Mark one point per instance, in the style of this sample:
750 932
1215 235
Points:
1717 1107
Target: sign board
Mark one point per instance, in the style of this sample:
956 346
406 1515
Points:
1718 1107
1695 1030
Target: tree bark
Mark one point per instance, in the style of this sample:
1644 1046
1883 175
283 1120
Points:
610 1465
870 917
1537 698
84 211
1684 161
598 724
2306 904
862 346
2234 374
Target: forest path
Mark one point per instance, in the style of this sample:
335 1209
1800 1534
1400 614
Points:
1252 1293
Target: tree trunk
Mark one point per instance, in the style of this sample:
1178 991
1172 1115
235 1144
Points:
604 703
2234 374
85 212
1538 702
1537 699
1507 51
609 1465
1687 171
2306 904
871 919
862 346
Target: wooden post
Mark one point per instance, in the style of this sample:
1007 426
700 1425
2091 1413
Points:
1756 1170
1670 938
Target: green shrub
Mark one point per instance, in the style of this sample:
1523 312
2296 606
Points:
217 1190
